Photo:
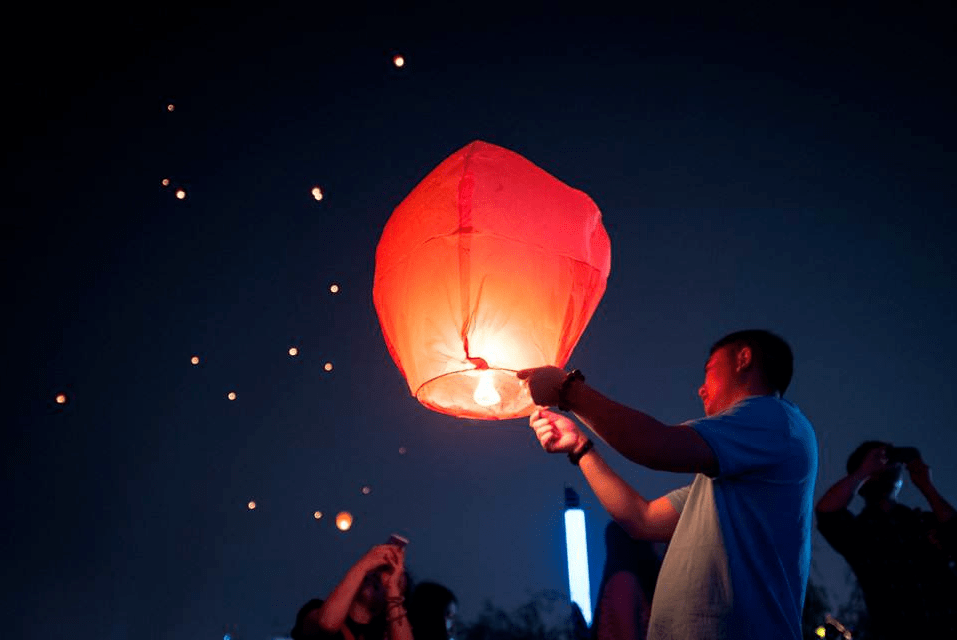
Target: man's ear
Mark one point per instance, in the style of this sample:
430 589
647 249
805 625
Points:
744 358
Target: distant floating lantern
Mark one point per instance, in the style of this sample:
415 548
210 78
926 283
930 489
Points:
366 490
194 359
398 61
165 182
293 351
61 398
317 193
251 505
327 366
402 451
317 515
488 266
343 521
181 194
231 395
334 288
170 107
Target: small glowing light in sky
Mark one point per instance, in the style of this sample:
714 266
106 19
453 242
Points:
402 451
61 398
194 359
317 193
366 490
251 505
317 515
327 366
344 520
165 182
334 288
170 107
231 395
181 194
398 60
293 351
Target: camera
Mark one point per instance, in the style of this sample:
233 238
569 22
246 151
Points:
902 454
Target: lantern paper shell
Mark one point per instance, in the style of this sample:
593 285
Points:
488 266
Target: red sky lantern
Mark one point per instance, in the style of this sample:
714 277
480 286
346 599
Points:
488 266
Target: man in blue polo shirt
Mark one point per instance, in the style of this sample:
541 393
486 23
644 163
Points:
740 534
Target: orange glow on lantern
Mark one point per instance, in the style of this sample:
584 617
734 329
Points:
488 266
327 366
343 520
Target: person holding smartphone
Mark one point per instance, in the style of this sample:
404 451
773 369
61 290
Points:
367 604
905 559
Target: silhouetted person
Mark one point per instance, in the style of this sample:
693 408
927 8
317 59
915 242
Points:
433 611
903 558
739 536
368 604
627 587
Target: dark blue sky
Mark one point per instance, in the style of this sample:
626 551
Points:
792 171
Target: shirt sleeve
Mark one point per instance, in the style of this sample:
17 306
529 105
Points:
749 436
837 527
679 497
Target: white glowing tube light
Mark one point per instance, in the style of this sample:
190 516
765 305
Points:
577 548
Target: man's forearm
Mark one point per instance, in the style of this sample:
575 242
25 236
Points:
839 496
619 499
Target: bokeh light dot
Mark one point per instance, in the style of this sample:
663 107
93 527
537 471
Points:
398 61
344 521
327 366
181 194
194 359
334 288
251 505
61 398
231 395
170 107
366 490
317 193
293 351
317 515
165 182
402 451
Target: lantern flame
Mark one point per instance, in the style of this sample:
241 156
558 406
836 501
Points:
485 393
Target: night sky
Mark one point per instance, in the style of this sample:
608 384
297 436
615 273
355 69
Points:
790 170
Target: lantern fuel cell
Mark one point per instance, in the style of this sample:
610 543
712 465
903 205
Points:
490 265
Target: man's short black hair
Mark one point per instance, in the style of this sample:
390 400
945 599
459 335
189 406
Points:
856 459
771 355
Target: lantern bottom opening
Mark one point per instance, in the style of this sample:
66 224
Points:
485 394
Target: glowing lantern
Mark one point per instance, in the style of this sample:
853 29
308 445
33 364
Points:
327 366
181 194
317 515
488 266
317 193
165 182
194 360
231 395
251 505
343 520
334 288
61 398
293 351
170 107
398 61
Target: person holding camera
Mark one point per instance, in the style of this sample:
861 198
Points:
905 559
367 604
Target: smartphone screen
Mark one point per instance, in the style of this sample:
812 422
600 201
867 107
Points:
397 540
